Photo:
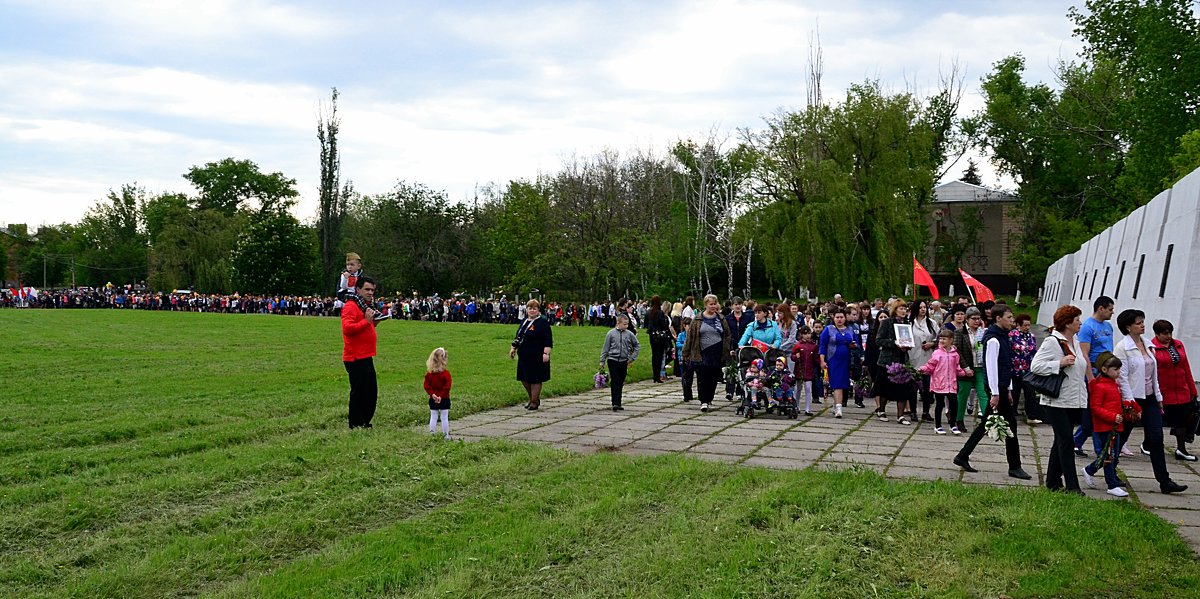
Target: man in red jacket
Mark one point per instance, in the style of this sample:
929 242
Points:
358 337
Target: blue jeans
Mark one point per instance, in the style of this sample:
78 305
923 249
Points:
1110 469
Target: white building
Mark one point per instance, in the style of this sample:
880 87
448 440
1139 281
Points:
1149 261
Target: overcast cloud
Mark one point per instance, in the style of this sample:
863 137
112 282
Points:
94 95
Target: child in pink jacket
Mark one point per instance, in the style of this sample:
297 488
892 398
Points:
943 371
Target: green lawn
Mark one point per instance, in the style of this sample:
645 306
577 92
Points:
157 455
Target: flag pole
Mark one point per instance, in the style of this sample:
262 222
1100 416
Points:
970 290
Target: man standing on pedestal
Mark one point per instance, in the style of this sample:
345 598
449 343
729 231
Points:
998 367
358 337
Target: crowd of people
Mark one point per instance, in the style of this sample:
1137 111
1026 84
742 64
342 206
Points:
949 362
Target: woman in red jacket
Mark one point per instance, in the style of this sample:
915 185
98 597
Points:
437 386
1178 389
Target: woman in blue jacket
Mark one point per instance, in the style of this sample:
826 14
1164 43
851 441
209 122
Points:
837 341
763 328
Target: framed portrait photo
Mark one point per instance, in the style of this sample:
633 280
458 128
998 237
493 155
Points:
904 335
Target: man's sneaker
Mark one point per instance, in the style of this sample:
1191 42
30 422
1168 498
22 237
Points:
939 430
1087 478
954 429
1118 492
903 420
703 407
837 411
1181 454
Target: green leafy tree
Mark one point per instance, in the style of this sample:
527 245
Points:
1187 159
113 239
226 186
275 254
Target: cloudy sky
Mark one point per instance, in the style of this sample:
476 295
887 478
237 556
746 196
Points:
95 94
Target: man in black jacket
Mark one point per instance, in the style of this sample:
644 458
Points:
998 368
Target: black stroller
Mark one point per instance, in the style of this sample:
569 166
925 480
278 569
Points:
753 400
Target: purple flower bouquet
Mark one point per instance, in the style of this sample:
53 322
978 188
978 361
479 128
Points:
900 374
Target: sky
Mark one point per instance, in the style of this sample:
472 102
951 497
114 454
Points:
453 95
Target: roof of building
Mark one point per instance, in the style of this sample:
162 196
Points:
960 191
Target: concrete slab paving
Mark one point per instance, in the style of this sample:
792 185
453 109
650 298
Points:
656 421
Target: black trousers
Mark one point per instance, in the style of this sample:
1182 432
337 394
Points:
658 353
1061 471
1152 424
1033 409
689 373
364 393
617 371
708 377
1011 448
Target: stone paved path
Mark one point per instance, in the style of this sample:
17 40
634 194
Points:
656 421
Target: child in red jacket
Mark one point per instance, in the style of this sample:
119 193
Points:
807 366
437 386
1107 421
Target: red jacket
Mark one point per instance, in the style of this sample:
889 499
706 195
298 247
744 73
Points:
807 360
358 334
1175 380
438 383
1104 398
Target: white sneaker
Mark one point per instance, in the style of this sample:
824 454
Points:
883 418
703 407
954 429
837 412
1087 478
939 430
1118 492
904 420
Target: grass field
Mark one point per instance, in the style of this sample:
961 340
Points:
162 455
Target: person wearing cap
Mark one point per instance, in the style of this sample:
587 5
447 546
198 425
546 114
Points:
998 370
349 276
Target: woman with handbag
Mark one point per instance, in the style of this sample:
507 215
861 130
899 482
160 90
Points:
1178 388
531 348
1061 357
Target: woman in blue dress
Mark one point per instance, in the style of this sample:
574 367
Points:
836 342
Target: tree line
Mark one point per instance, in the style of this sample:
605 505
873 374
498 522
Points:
826 198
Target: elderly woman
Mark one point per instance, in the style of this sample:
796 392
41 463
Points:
1059 354
705 348
531 347
1178 389
1139 382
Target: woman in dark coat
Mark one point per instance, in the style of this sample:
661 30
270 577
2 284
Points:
531 348
658 325
891 352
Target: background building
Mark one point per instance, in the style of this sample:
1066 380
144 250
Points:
971 227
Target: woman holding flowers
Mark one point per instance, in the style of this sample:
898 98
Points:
890 381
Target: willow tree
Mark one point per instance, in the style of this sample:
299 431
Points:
841 188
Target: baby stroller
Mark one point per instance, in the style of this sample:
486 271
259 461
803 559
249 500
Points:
753 400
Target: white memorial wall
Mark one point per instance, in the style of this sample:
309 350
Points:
1148 261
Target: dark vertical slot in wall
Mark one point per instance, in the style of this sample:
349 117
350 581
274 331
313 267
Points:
1137 282
1120 277
1162 287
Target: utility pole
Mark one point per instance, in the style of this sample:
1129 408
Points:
43 271
72 271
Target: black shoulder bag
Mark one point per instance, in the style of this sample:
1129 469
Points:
1043 384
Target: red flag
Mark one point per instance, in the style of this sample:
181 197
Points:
921 277
982 293
762 347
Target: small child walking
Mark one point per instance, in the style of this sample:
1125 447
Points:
943 370
1104 399
437 386
807 363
